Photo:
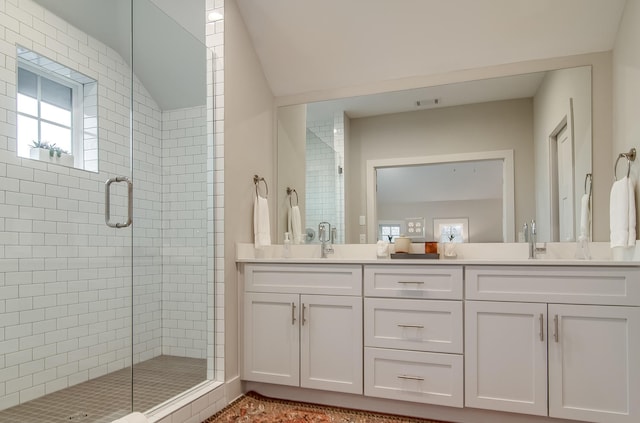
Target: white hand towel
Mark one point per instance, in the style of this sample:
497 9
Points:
132 418
585 218
619 212
632 215
261 224
295 224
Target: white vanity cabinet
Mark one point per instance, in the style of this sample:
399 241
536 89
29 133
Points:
303 326
557 341
413 333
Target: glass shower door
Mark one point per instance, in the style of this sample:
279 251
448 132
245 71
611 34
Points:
170 288
65 259
103 211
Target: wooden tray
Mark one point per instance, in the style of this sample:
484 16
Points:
403 256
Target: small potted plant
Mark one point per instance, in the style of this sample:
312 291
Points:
44 151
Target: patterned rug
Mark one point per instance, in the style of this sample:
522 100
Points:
254 408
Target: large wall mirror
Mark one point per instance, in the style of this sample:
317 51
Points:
543 119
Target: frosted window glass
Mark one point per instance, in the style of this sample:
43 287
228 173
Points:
55 114
27 105
57 135
27 134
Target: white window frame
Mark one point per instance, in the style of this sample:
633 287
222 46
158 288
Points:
438 224
77 104
389 224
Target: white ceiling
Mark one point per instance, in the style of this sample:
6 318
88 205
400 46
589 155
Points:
320 45
492 89
309 46
169 54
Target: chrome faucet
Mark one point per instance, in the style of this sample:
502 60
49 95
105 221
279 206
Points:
531 236
532 240
324 236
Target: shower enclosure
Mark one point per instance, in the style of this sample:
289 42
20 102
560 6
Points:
106 290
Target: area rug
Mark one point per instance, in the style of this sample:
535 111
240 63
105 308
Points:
255 408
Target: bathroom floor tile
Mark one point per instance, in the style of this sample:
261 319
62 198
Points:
108 397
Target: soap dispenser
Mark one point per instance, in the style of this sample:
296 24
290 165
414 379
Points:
286 248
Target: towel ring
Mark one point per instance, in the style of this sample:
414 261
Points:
256 181
630 156
588 178
289 191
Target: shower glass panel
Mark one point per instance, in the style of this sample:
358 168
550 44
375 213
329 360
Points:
170 205
65 276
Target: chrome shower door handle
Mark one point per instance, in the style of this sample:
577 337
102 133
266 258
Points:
107 202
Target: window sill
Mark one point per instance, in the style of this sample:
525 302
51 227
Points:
44 156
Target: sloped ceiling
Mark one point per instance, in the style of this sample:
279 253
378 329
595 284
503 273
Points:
320 45
169 59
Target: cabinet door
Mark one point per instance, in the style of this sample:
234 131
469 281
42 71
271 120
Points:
594 369
271 338
331 343
506 356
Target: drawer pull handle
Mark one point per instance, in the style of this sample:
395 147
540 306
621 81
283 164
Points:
541 327
556 335
411 326
410 377
293 313
409 282
303 319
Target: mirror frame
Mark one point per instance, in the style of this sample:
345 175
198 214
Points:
508 184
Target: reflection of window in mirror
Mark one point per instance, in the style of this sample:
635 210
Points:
388 231
451 230
56 113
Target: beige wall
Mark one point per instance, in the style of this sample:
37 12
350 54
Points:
626 94
248 129
484 216
499 125
550 107
292 137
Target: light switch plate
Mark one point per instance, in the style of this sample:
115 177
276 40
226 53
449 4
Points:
363 238
414 227
363 220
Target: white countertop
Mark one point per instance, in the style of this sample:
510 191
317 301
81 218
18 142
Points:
558 254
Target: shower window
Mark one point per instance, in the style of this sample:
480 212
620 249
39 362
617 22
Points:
56 113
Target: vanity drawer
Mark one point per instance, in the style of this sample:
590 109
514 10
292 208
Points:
325 279
411 281
560 284
421 325
428 378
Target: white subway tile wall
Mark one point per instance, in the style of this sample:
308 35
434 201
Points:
65 290
324 184
184 232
